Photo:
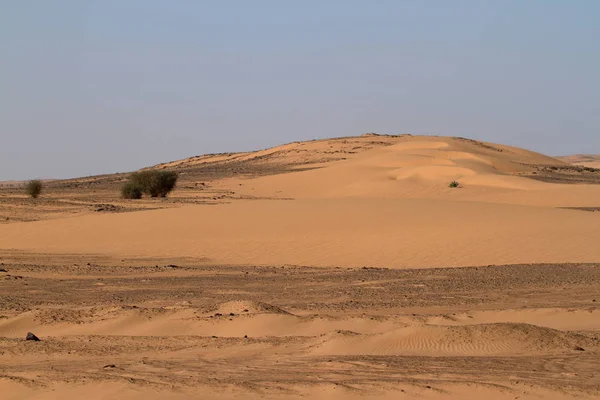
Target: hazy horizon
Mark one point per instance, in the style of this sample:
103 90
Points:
100 87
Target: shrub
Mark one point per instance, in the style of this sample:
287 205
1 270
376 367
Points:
130 190
155 183
454 184
34 188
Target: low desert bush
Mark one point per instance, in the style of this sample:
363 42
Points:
34 188
454 184
155 183
130 190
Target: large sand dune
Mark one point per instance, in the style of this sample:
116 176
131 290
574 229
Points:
388 204
423 167
310 270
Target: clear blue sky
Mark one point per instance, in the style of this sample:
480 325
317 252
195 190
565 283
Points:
89 87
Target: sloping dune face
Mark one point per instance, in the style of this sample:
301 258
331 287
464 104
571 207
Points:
419 167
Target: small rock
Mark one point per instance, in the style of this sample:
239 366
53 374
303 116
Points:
109 366
3 270
173 266
578 348
106 208
245 336
31 336
231 314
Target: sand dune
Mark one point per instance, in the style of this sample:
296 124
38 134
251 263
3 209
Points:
331 151
471 340
240 318
422 167
587 160
323 337
562 319
411 167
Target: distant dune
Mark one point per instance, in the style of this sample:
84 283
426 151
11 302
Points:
587 160
11 183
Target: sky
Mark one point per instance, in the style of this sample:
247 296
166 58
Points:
103 86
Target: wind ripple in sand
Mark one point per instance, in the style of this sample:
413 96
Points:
470 340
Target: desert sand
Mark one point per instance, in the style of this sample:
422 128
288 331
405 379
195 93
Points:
586 160
341 268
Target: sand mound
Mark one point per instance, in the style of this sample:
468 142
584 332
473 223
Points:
470 340
557 318
249 307
406 166
386 166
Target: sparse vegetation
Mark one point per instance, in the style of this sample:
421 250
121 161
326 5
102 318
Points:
454 184
154 183
130 190
34 188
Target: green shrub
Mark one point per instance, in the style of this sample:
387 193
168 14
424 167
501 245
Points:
34 188
142 179
454 184
130 190
155 183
